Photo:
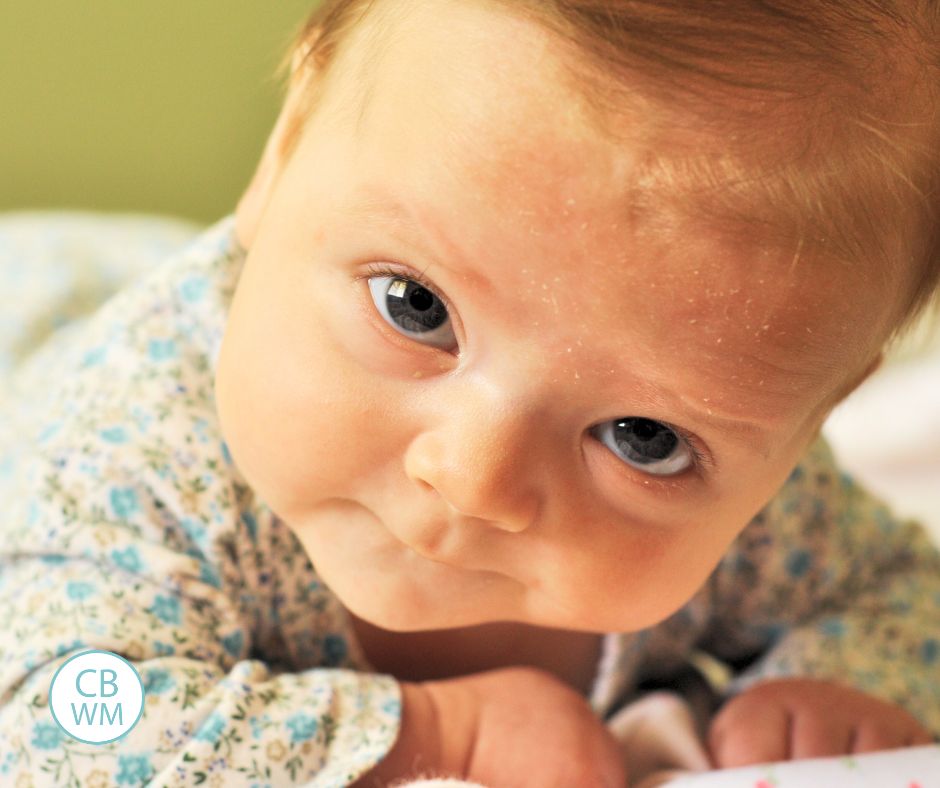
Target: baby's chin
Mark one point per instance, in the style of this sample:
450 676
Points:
423 595
441 597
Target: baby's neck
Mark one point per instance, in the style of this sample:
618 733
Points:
440 654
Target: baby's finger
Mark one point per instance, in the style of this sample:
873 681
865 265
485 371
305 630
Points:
748 733
872 737
817 736
919 738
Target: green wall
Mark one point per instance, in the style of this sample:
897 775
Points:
132 106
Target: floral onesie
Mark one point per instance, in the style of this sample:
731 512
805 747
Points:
128 528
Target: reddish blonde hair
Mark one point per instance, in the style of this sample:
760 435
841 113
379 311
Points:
847 94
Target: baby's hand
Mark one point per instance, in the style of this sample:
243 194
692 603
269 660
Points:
527 728
512 728
787 719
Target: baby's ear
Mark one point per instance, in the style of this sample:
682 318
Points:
276 152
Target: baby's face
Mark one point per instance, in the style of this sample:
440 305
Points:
572 418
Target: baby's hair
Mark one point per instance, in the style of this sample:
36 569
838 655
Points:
832 109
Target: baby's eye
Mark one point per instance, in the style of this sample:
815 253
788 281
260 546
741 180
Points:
648 445
413 310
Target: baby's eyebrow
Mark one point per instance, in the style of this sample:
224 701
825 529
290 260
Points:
383 204
744 432
375 202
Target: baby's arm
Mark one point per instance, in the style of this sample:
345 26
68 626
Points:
828 586
211 710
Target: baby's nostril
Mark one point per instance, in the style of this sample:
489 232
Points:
425 486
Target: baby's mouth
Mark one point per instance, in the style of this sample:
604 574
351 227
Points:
426 549
430 543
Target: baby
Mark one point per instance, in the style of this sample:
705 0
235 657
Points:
497 401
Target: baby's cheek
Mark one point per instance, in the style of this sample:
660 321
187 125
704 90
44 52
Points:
638 583
312 455
289 434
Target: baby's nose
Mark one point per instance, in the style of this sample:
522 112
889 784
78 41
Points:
483 459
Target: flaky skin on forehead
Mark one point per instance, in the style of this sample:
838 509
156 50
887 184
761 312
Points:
812 123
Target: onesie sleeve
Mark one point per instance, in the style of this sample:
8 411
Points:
827 583
126 528
213 714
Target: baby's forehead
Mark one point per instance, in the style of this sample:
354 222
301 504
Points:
799 169
789 178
